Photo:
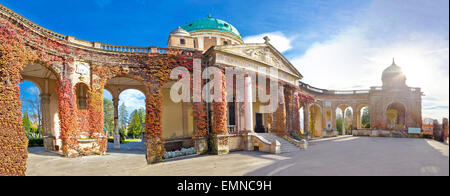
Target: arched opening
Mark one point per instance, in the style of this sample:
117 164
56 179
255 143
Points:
124 113
315 120
363 117
339 121
302 120
348 120
40 102
344 119
395 116
31 112
108 114
131 116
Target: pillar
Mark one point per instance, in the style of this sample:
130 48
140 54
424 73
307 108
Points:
281 112
248 107
306 118
296 113
116 123
49 138
343 120
355 117
333 119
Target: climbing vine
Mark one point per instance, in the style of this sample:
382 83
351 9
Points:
220 111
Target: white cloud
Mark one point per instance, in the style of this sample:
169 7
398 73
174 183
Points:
277 39
133 99
356 56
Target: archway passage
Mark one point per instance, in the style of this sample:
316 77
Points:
348 120
44 100
339 121
396 116
124 105
31 113
315 120
344 119
302 119
363 118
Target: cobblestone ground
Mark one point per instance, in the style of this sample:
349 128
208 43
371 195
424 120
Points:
340 156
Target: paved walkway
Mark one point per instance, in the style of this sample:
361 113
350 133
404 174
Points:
343 156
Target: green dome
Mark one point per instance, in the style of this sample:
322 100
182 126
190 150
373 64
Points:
211 23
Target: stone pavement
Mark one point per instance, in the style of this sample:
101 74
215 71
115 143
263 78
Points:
342 156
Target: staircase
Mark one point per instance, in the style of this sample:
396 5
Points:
285 147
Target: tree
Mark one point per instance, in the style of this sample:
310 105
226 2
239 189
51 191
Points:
26 123
365 118
108 110
339 124
123 115
34 102
135 126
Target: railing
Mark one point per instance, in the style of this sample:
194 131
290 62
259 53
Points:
333 92
10 14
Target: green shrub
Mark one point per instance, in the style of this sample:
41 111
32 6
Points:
122 140
36 142
296 136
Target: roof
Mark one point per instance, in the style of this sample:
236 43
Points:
211 23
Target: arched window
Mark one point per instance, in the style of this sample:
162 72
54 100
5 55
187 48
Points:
81 92
182 41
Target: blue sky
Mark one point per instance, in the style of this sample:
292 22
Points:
346 42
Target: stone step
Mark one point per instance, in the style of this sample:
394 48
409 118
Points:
285 147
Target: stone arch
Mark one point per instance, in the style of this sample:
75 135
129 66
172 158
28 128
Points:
359 116
315 120
395 113
345 119
47 80
118 84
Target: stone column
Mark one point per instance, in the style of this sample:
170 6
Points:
248 105
116 123
49 140
281 112
343 120
333 119
296 114
355 118
306 117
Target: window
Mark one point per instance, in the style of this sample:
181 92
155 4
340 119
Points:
225 43
182 41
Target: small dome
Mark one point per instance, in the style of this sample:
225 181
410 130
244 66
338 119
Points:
393 76
180 32
211 23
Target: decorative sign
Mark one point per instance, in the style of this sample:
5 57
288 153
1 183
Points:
414 130
82 68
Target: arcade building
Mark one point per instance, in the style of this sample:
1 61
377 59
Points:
71 75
